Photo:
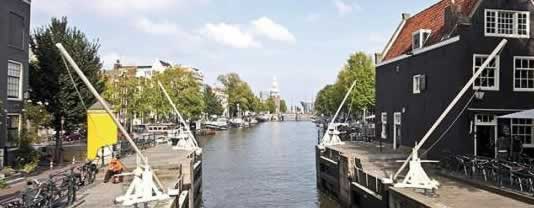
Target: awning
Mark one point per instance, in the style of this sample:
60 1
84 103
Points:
528 114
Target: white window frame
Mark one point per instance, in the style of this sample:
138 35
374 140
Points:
515 23
21 80
496 73
416 82
522 89
531 125
420 33
384 122
19 126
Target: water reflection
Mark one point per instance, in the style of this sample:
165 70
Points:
270 165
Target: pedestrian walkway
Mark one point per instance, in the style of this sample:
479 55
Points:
169 166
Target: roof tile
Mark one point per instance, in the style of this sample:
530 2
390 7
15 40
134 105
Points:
432 18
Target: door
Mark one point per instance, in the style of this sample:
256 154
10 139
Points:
485 141
485 135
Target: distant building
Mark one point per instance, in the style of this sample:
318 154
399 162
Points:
223 99
275 94
148 71
14 55
264 95
197 73
307 107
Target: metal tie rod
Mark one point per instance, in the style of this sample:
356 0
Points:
177 112
342 103
452 104
100 100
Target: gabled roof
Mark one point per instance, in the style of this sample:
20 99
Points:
432 18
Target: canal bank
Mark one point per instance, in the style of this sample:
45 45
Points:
357 173
269 165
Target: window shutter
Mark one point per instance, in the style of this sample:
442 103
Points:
422 82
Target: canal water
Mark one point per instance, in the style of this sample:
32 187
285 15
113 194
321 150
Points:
269 165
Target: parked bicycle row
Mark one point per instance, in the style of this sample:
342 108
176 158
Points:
58 190
518 175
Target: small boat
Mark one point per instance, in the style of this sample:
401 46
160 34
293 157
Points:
219 124
237 122
253 121
264 118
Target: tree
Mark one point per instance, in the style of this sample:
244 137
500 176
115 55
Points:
283 106
270 105
49 78
213 105
359 68
184 90
239 93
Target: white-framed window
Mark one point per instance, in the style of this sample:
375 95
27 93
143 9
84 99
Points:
489 78
14 80
13 123
384 121
507 23
419 38
522 128
397 118
485 120
523 73
418 83
416 80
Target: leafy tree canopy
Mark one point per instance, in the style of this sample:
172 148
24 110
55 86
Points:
360 68
49 78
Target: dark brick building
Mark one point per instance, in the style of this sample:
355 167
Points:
14 56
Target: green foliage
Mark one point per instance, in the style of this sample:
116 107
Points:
183 89
359 67
49 79
213 106
3 183
239 93
141 96
270 105
283 106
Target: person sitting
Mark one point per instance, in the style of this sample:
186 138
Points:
115 167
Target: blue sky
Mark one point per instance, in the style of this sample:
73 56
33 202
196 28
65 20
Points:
302 43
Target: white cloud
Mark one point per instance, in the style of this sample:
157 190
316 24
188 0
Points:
268 28
343 7
229 35
158 28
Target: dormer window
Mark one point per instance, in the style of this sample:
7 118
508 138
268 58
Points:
419 38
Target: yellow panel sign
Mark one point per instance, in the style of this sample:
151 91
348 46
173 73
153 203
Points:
101 131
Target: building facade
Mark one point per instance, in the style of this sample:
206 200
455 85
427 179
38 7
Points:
433 54
14 47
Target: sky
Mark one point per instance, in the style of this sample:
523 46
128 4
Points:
303 43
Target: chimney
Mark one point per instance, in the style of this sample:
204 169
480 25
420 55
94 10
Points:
454 17
378 58
405 16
